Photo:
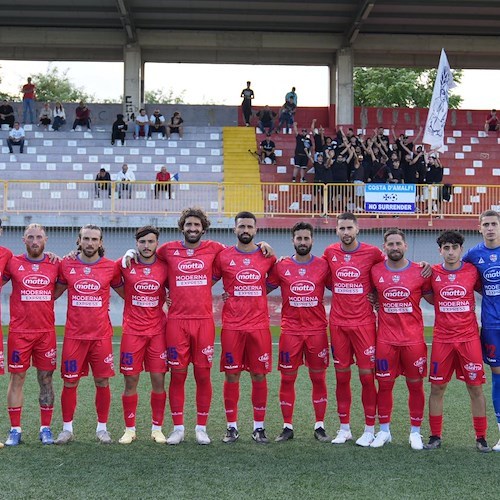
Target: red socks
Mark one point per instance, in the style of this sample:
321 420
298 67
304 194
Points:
15 416
46 415
287 396
102 403
129 404
231 398
68 403
385 401
368 397
259 399
344 396
319 394
157 401
203 394
416 402
176 394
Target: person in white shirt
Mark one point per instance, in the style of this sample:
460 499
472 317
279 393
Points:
59 116
124 178
157 124
16 138
141 124
45 117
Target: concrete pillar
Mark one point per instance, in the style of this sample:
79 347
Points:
332 95
345 88
132 80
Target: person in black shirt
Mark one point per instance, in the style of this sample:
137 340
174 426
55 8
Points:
267 150
118 131
266 118
246 105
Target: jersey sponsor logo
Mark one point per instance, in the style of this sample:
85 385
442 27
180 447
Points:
176 252
480 261
450 292
323 353
302 287
36 281
248 276
334 259
190 266
370 351
287 273
147 287
72 271
438 278
208 352
492 274
52 353
109 359
473 367
420 364
232 263
348 273
87 286
132 271
396 293
20 268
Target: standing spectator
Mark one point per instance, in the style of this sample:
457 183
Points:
28 91
124 178
141 124
246 105
59 116
45 117
82 114
302 153
434 175
119 130
175 125
395 173
16 138
287 115
6 114
358 177
322 175
267 148
291 95
157 124
102 183
492 124
266 118
162 178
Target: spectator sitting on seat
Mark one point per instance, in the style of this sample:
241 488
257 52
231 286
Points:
16 138
59 116
266 118
45 116
141 124
6 114
162 178
492 123
124 178
119 130
175 125
287 115
157 124
267 148
103 183
82 114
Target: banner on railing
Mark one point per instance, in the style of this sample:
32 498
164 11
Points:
390 198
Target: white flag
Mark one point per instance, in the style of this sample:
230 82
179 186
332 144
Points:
438 110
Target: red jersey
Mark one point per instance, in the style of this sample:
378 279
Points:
400 319
88 297
32 298
5 255
454 303
28 91
190 273
244 277
351 283
302 291
144 298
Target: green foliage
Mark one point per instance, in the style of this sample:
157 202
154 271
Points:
161 96
398 87
4 95
53 86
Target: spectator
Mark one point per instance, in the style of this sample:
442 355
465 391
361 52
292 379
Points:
119 130
16 138
322 175
157 124
267 148
59 116
358 178
82 114
124 178
340 176
141 124
163 183
302 153
287 115
395 173
266 118
291 95
379 173
45 116
6 114
318 137
28 91
246 105
175 125
492 124
434 175
103 183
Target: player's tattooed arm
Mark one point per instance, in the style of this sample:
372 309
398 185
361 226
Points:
53 258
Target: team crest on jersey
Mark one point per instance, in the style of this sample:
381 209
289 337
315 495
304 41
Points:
347 258
20 268
246 261
396 278
87 270
132 271
35 268
72 271
334 259
381 280
480 261
190 252
452 277
493 257
147 271
176 252
287 273
302 271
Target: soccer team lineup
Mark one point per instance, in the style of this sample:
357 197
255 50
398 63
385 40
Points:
375 322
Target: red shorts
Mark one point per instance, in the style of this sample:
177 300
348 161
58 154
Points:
249 350
190 341
294 349
2 366
78 354
143 352
463 358
394 360
41 347
350 341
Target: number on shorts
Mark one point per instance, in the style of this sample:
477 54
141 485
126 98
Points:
382 365
127 359
229 358
16 357
284 357
70 365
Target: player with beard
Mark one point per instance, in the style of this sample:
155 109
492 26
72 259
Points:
88 332
245 336
401 348
31 330
143 344
302 279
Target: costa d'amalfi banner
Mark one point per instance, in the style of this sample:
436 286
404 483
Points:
390 198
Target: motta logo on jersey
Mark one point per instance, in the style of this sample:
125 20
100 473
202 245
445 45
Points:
190 266
302 287
87 286
347 273
248 276
396 293
147 287
36 281
451 292
492 274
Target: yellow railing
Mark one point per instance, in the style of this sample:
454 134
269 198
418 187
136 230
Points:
279 199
